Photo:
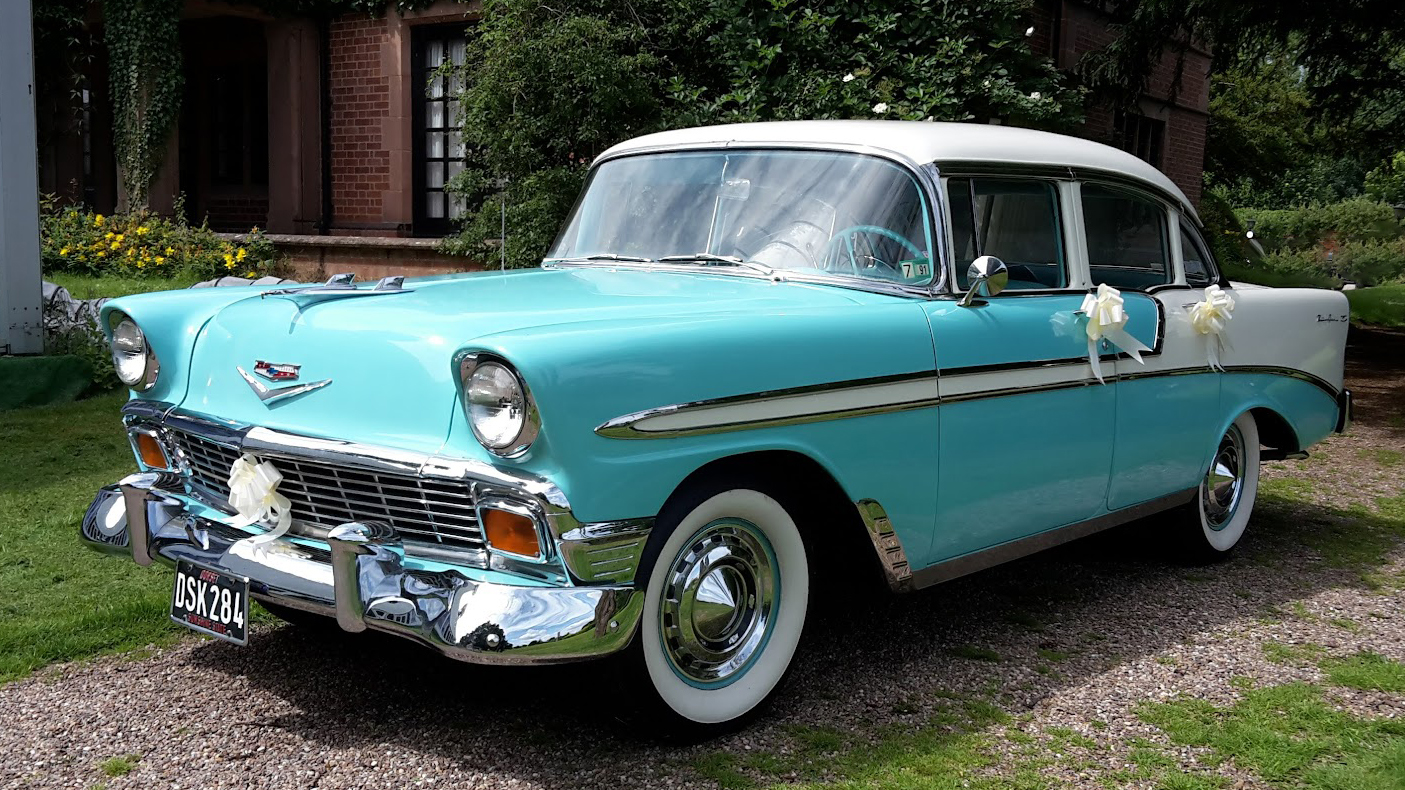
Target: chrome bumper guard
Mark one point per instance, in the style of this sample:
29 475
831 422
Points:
1343 411
361 579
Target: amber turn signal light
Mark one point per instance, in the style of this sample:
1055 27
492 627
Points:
511 532
150 451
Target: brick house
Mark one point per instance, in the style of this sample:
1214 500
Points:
335 136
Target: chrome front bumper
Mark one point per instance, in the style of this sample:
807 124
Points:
363 579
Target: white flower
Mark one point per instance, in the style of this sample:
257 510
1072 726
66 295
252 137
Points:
880 108
986 84
1029 32
848 77
1036 95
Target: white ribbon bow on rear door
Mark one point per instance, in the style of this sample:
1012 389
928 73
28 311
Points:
1208 318
1106 319
253 493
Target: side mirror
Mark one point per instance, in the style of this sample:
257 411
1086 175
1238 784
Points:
988 276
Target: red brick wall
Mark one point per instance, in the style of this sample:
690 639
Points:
360 92
237 214
1084 29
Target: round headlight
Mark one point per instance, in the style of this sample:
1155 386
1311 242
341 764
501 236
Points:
500 411
131 356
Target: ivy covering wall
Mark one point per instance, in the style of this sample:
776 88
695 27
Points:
145 80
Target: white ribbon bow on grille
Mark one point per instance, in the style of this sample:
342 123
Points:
253 493
1106 319
1209 318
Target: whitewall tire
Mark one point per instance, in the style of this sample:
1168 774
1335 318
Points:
725 605
1225 499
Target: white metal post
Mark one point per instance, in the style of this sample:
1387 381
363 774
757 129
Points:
21 299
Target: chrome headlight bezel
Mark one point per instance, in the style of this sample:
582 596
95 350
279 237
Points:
528 421
128 347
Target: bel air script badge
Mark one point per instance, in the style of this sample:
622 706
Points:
276 371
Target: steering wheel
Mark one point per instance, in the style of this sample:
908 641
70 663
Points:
847 237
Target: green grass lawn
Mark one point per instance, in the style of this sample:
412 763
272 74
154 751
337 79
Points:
59 600
1383 305
87 286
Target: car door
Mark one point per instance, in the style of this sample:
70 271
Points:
1167 405
1025 428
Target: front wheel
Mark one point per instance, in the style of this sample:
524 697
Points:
727 595
1216 520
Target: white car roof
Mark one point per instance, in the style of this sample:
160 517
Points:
922 142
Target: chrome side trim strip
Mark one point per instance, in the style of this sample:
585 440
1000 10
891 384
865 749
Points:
792 406
1015 549
798 405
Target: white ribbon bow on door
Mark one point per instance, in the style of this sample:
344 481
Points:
1209 318
253 493
1106 319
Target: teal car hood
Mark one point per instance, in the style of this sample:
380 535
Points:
389 356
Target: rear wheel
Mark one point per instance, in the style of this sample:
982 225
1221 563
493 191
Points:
1215 521
726 601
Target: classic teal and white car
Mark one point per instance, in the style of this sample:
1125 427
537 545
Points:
759 359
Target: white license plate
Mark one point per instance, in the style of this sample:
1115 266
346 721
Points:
211 601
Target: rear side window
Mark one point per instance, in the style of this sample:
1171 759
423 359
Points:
1016 220
1126 238
1199 266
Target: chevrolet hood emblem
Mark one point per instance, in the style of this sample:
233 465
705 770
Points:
269 395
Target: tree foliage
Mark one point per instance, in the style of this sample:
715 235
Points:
548 87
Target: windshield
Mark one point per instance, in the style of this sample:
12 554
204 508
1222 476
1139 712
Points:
797 211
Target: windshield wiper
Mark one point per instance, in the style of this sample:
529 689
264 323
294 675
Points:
605 256
708 257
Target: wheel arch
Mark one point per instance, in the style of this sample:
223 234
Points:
1274 430
829 519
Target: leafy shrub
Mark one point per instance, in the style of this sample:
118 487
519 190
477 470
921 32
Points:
1370 263
142 244
1306 227
1365 263
83 339
1387 182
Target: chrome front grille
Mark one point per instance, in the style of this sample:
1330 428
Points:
439 513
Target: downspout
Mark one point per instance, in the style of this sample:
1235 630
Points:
324 40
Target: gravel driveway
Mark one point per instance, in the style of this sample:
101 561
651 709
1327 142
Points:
1074 639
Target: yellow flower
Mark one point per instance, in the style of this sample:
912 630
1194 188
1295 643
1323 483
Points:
228 259
140 264
116 244
170 251
102 253
241 255
141 230
131 252
120 237
63 251
109 235
160 259
97 220
250 275
229 265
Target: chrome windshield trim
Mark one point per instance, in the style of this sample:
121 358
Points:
923 173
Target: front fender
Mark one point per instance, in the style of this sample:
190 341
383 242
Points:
171 321
585 374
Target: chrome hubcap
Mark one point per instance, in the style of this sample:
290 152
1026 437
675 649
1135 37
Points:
719 602
1224 482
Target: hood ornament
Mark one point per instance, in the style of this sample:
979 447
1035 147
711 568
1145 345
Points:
276 371
269 395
